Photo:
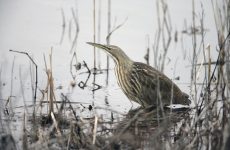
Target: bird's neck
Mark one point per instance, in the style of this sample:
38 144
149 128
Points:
124 63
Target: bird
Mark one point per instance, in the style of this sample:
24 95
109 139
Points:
143 83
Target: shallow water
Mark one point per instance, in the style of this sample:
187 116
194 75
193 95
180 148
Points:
34 26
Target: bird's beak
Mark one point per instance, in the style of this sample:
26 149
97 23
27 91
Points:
106 48
98 45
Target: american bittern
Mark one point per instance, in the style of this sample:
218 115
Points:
141 82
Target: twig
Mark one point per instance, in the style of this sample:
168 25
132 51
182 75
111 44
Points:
83 84
9 99
147 50
24 136
56 124
97 87
215 67
71 107
94 33
22 90
166 24
74 58
63 26
116 28
99 35
36 69
108 41
12 74
95 129
74 42
218 58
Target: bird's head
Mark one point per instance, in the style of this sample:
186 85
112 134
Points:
114 51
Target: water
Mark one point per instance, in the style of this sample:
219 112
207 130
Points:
35 26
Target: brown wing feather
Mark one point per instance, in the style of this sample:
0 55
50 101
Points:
148 77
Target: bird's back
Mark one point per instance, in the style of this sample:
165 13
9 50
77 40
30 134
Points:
147 86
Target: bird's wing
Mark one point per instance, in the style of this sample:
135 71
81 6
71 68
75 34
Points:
149 75
152 82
